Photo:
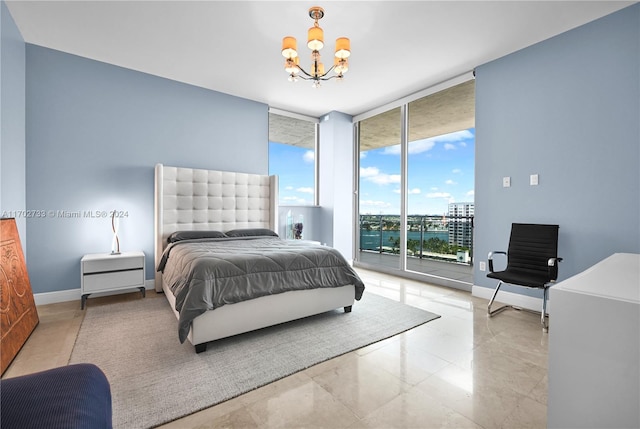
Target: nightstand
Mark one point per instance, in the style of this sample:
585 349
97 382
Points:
105 272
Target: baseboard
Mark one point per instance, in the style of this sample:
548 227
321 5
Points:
510 298
57 296
523 301
74 294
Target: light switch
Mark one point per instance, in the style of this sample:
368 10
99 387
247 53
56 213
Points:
506 182
533 180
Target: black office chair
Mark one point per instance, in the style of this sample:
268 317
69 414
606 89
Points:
532 262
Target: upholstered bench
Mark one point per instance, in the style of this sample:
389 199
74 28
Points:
74 396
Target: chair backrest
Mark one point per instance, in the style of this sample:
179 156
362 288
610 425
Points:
531 246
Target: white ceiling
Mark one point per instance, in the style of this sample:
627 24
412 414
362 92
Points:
398 47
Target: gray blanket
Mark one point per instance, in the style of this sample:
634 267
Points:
207 274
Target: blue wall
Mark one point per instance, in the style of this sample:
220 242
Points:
94 132
567 109
12 122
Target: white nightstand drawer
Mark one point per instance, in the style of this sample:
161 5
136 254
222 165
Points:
104 272
112 263
113 280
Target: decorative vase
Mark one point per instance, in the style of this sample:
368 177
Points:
297 228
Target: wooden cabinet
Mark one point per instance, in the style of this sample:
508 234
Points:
106 272
18 314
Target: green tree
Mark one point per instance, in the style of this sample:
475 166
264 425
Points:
413 245
395 244
436 245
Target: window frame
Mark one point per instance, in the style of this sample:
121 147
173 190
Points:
316 150
403 104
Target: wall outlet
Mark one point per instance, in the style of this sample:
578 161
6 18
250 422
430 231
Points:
506 182
533 180
483 266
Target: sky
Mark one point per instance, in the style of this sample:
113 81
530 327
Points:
295 169
440 171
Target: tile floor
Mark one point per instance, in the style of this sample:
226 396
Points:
460 371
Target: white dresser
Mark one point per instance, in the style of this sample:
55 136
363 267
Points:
594 347
106 272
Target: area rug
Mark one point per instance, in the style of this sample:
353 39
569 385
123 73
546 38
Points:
155 379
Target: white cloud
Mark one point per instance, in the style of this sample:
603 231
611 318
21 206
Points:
425 145
309 156
368 171
413 191
456 171
438 195
373 174
289 188
363 154
375 203
295 200
471 193
458 136
415 147
384 179
450 182
421 146
305 190
371 206
392 150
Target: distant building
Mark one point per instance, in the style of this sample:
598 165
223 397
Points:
460 224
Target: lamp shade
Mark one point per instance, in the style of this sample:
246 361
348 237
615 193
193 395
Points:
289 47
343 47
316 38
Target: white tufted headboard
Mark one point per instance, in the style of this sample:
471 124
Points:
188 199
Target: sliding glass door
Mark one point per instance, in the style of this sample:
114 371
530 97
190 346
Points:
379 189
416 181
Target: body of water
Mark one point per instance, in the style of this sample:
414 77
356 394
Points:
370 240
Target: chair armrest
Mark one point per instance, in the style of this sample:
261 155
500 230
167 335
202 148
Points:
74 396
490 258
552 263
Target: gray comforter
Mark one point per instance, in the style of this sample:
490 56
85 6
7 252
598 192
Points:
209 273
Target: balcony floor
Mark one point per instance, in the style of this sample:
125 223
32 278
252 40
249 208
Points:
462 273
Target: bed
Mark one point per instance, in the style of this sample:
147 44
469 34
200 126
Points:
196 205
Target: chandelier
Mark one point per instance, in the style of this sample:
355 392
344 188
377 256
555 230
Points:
315 42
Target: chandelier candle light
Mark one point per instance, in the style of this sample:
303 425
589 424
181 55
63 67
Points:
315 42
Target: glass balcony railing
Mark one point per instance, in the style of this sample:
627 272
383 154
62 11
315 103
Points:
442 238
